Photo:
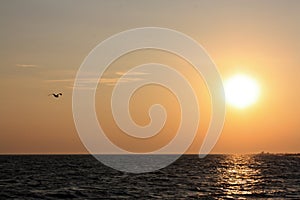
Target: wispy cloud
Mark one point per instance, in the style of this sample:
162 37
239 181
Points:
90 80
102 80
86 83
114 81
132 73
60 80
26 66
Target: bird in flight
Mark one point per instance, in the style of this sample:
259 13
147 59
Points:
55 95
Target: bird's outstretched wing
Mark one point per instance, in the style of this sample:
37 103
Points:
55 95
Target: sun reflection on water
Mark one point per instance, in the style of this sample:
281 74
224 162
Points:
237 175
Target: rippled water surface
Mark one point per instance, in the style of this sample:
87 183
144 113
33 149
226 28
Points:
214 177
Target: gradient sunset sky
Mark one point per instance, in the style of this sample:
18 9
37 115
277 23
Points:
43 44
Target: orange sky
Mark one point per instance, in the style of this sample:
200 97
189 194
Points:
44 43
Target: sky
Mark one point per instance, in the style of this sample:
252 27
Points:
43 43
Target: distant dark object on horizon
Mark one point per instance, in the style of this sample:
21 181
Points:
56 95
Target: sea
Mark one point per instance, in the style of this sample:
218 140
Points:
260 176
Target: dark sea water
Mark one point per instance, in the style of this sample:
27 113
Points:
214 177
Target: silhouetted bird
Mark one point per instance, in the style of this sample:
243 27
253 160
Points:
56 95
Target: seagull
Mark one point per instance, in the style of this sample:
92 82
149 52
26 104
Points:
56 95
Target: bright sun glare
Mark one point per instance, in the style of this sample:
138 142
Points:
241 91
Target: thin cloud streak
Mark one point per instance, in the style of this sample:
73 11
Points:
132 73
86 83
26 66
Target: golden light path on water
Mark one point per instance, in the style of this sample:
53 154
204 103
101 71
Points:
239 176
234 176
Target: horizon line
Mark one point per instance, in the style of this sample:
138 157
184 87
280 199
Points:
114 154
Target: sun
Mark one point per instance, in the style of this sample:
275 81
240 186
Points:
241 91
